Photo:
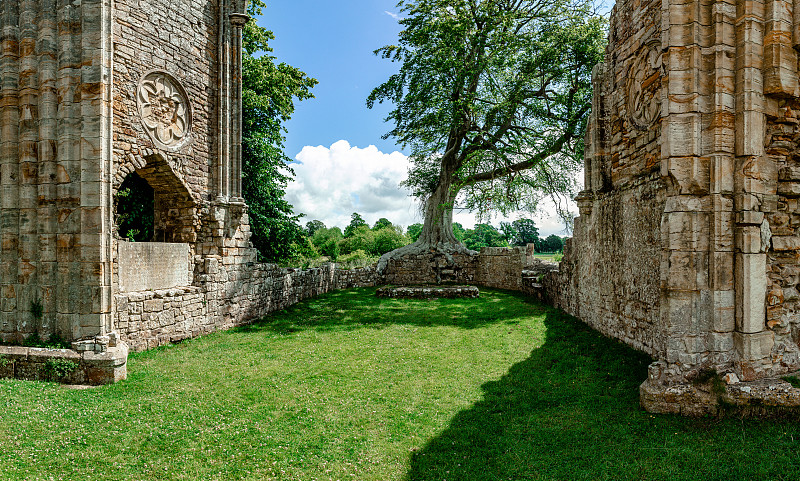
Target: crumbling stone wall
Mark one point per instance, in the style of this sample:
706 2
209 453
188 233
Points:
431 268
611 272
501 267
229 294
694 127
147 319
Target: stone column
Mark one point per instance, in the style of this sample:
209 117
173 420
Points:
687 99
222 174
753 342
9 166
722 159
238 20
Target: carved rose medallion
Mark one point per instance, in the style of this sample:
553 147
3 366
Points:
164 110
643 85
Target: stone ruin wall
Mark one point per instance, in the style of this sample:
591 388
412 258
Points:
55 205
147 319
228 295
688 242
165 52
610 273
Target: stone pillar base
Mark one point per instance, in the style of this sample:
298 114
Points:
66 366
764 397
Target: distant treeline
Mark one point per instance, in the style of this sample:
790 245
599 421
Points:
361 244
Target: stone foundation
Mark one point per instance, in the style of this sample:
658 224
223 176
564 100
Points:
428 292
67 366
764 397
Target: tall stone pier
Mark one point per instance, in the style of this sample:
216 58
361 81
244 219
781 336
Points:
93 91
688 240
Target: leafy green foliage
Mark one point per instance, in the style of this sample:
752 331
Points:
57 369
355 260
492 97
551 243
133 204
53 342
356 221
526 230
313 226
483 235
414 231
357 238
269 90
327 241
388 239
382 223
459 231
374 242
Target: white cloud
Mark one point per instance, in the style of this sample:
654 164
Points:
333 182
392 14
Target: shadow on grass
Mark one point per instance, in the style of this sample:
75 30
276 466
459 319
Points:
360 308
571 411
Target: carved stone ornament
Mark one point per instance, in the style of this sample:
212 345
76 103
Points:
164 109
643 85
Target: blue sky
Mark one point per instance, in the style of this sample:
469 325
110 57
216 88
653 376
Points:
343 164
333 42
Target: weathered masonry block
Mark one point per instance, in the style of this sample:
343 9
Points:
688 240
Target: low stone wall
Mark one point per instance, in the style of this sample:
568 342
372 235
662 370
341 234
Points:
228 296
64 365
431 268
498 267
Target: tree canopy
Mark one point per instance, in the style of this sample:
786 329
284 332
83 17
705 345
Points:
492 99
269 90
356 221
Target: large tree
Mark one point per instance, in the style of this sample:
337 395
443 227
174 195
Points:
491 99
269 90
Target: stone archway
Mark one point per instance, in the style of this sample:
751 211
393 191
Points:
175 217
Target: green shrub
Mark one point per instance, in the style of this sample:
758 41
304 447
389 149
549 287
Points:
326 241
558 256
361 238
387 240
356 260
57 369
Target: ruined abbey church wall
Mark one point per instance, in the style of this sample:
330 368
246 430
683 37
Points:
698 100
168 54
611 270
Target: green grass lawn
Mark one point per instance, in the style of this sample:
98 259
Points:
351 387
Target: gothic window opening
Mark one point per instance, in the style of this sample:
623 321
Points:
134 209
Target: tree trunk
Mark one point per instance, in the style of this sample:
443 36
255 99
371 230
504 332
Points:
437 236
